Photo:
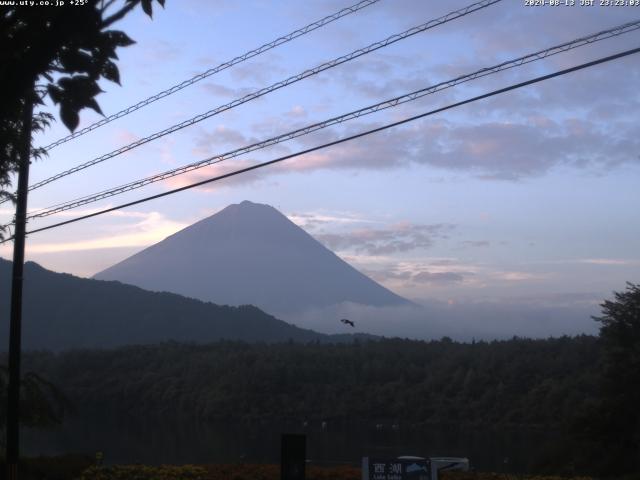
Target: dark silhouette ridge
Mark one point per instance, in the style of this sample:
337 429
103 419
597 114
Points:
62 311
250 253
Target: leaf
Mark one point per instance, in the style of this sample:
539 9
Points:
69 116
76 61
74 94
105 47
110 72
146 6
79 87
161 2
55 93
91 103
118 38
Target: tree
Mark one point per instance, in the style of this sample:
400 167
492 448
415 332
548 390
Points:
61 53
43 404
58 52
615 422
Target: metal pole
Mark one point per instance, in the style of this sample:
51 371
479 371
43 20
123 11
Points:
13 404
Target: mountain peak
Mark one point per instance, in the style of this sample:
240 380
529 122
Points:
250 253
249 207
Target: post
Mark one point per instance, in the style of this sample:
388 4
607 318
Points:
13 404
293 457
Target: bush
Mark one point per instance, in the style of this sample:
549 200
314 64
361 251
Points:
61 467
144 472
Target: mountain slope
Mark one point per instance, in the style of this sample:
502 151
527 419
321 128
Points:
63 311
250 254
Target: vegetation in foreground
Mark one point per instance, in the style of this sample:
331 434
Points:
540 384
70 467
586 387
534 383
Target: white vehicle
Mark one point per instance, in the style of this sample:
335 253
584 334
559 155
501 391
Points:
441 464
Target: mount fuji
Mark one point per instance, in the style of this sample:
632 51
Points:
250 254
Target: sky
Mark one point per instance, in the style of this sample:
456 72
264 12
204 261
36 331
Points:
529 198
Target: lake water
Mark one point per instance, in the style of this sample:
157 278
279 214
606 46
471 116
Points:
181 442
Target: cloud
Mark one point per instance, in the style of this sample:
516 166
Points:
609 261
565 299
515 276
419 273
383 150
512 21
217 170
443 262
476 243
311 220
260 72
77 212
212 140
542 133
399 238
437 278
459 320
148 228
596 261
527 140
505 150
388 274
124 137
219 90
223 139
297 111
163 51
488 28
376 77
573 94
380 151
482 36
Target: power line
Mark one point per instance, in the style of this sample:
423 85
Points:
223 66
276 86
68 205
346 139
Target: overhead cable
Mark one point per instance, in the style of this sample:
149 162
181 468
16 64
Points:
276 86
539 55
342 140
212 71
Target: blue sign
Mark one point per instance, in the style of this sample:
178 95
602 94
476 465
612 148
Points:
395 469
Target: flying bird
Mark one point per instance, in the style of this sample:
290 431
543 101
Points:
348 322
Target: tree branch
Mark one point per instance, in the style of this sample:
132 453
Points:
104 7
120 14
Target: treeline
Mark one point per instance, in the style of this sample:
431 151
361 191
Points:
519 382
62 312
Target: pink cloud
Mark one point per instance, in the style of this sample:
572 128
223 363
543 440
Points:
216 170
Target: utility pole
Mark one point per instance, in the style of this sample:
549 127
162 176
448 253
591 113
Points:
13 404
